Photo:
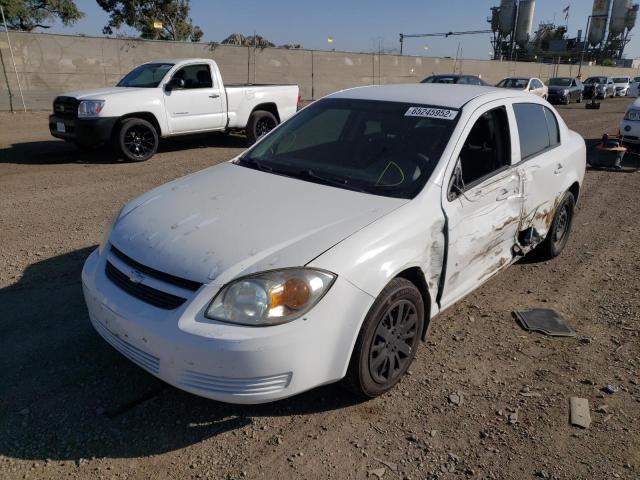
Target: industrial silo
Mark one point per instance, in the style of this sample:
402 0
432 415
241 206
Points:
599 22
632 14
525 22
619 17
507 16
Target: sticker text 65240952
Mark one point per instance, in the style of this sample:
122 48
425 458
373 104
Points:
428 112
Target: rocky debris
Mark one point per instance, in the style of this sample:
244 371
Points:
456 398
610 389
579 412
376 472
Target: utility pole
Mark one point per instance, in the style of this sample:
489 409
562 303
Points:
13 60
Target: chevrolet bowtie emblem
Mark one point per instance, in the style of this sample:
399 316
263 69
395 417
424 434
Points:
135 277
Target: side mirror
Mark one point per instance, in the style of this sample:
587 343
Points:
176 83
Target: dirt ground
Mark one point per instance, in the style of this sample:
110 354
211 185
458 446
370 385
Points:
72 407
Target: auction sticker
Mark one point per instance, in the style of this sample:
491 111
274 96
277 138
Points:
429 112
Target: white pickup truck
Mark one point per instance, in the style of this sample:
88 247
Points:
165 98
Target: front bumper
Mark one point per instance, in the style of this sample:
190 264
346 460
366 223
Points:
230 363
622 92
557 97
630 132
88 131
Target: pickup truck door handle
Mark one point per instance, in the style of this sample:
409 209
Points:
214 95
558 169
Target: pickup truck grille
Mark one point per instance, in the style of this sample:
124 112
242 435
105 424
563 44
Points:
65 107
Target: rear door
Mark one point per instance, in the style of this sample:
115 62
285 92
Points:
198 106
541 169
482 202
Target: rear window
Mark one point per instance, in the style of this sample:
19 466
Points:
538 129
560 82
591 80
519 83
440 80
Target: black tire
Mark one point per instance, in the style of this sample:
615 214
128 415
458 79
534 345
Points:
136 140
381 356
260 123
560 229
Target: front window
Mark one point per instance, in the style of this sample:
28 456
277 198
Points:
148 75
592 80
560 82
383 148
519 83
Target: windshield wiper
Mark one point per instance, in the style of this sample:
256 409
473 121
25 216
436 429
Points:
257 164
336 182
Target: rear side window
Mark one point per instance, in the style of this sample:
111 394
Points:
537 128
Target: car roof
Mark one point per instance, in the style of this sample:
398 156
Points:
445 95
179 60
563 78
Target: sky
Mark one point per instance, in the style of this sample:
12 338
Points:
356 25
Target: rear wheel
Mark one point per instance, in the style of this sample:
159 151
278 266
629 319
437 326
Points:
260 123
136 140
558 233
388 340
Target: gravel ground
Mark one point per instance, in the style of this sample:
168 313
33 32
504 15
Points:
72 407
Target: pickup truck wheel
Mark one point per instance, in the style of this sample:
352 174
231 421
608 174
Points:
137 140
260 123
560 228
388 340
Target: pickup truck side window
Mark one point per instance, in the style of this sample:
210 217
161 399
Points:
195 76
537 129
487 148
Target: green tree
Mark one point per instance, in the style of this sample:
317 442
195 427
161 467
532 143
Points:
30 14
142 14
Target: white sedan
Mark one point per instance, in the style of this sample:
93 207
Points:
526 84
324 252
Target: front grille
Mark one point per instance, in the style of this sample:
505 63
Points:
143 292
165 277
65 107
235 386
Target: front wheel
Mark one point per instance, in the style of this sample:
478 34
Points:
136 140
388 340
260 123
558 233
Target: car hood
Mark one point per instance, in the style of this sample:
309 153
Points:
621 85
229 220
557 88
100 93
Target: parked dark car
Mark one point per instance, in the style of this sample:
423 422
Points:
565 90
600 87
455 78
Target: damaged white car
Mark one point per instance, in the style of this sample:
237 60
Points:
324 251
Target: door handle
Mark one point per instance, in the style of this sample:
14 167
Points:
503 194
214 95
558 169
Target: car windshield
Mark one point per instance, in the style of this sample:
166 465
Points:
437 79
519 83
591 80
378 147
148 75
621 80
560 82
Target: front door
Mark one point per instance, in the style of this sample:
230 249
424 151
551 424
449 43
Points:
198 106
482 202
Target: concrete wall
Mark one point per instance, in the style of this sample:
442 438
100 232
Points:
52 64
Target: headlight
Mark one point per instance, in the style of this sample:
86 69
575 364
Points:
107 232
633 115
270 298
565 92
90 108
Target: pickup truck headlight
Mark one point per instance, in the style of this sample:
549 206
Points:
270 298
632 115
90 108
